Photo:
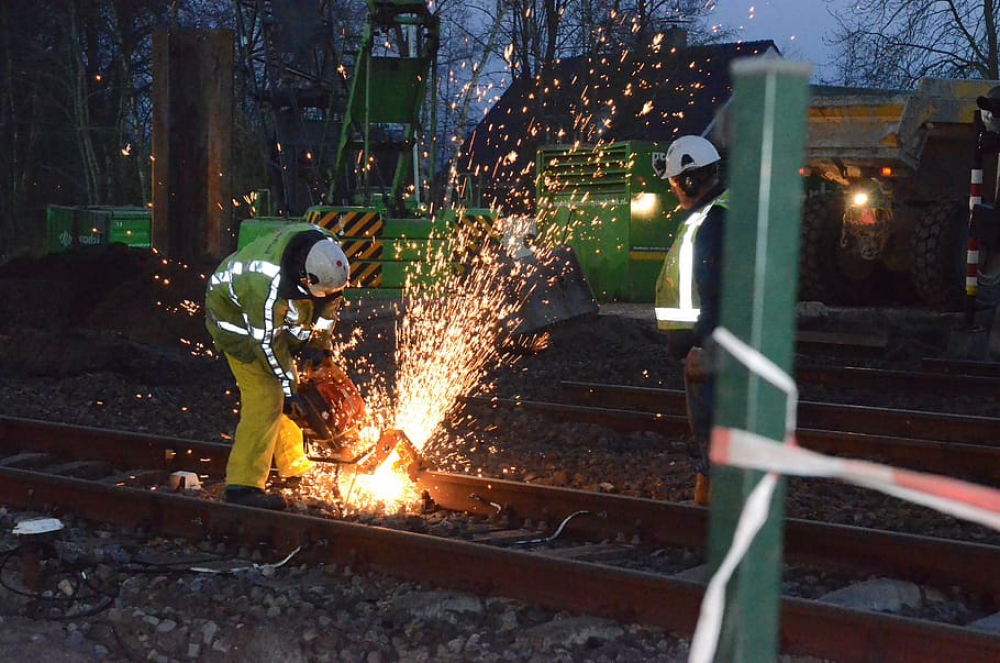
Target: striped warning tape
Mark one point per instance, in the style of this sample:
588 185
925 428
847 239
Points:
740 448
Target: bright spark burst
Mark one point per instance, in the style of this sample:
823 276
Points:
459 305
449 335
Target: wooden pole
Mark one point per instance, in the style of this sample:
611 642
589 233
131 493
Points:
192 144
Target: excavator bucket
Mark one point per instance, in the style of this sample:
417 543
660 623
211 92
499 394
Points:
554 291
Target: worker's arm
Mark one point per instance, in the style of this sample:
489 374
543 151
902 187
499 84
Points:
266 315
708 273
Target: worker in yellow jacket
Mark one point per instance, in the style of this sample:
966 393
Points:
264 303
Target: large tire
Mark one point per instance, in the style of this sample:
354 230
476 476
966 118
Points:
829 272
939 243
821 219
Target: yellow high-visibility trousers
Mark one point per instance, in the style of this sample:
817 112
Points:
264 433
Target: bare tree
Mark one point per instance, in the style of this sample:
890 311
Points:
534 34
23 102
633 25
893 43
462 106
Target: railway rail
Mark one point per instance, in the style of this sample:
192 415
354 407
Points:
977 460
913 424
120 478
950 377
954 444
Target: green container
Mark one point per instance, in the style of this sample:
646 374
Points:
251 229
404 243
131 229
68 228
413 228
618 211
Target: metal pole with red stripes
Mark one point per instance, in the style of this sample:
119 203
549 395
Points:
972 246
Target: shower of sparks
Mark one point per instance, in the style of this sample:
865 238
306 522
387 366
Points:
459 306
449 334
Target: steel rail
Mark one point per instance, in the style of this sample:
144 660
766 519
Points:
916 558
963 367
807 627
914 424
974 461
859 377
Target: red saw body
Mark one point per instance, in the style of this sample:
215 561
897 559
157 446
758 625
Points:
331 416
331 408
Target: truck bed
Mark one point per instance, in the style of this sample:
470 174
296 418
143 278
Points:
854 128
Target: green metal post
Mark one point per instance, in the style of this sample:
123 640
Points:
760 283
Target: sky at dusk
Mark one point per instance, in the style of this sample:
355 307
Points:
797 27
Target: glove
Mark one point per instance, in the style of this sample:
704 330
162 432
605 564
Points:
307 354
320 340
293 407
695 365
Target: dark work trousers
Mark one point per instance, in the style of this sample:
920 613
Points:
700 396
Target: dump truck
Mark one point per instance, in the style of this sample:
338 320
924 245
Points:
886 215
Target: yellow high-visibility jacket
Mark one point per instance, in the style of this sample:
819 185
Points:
255 312
677 302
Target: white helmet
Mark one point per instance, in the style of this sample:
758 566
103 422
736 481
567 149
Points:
688 153
326 268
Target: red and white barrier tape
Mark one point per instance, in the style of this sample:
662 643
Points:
750 451
956 498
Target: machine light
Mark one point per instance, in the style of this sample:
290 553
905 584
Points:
643 204
886 171
859 199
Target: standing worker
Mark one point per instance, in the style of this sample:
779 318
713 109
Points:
689 288
273 298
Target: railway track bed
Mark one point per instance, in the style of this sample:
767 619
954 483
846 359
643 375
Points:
326 606
523 542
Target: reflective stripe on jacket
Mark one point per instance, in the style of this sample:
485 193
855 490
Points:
246 316
677 304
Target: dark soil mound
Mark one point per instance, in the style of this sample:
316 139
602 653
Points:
73 312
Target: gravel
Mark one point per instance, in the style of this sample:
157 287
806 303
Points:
113 338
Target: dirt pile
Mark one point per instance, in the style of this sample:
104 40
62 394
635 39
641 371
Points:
102 307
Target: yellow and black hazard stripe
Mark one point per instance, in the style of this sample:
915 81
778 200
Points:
477 226
348 223
361 249
474 229
359 232
366 274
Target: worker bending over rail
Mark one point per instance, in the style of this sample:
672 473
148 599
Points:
265 303
689 288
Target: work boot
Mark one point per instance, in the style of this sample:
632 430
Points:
702 490
255 497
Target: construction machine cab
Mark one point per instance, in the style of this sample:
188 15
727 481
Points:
341 105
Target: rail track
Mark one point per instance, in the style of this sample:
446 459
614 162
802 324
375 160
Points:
913 424
948 377
954 444
120 478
